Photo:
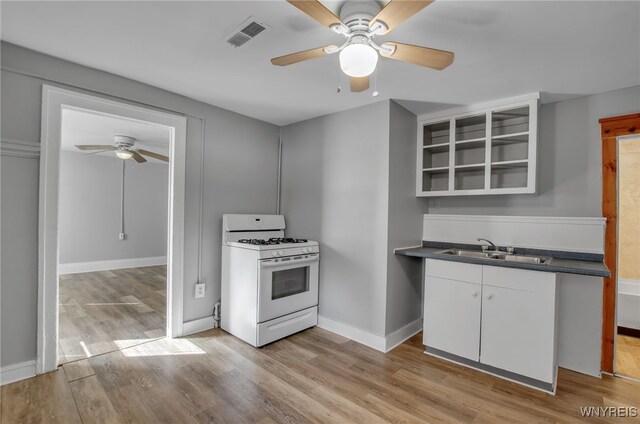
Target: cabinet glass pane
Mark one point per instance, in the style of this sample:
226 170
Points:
436 133
435 181
469 179
509 177
505 152
434 159
511 121
471 128
470 156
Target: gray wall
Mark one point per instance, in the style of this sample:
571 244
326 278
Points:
240 157
404 281
348 180
89 208
569 162
335 190
19 260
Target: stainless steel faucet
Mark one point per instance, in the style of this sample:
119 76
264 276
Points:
490 243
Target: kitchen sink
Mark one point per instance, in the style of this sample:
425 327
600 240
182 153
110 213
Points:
527 259
496 255
467 253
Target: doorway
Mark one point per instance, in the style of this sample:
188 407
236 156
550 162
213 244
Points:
627 355
612 130
112 233
56 102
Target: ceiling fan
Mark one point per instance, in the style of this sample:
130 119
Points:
123 148
360 22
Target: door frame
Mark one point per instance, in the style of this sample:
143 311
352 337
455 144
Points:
610 130
54 100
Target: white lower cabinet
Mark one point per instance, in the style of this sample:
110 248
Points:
501 318
457 304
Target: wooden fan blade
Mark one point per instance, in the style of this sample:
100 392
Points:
95 147
398 11
317 11
423 56
154 155
136 156
97 151
300 56
359 84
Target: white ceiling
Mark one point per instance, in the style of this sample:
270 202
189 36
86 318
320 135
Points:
505 48
80 127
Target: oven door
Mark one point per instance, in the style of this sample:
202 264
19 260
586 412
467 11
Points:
287 285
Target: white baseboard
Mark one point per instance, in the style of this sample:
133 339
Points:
629 286
197 326
355 334
402 334
74 268
383 344
628 303
17 372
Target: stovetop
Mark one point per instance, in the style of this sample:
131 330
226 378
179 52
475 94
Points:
272 241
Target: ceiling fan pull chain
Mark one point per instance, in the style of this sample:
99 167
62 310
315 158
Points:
339 89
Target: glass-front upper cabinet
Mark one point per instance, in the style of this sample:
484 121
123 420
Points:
483 149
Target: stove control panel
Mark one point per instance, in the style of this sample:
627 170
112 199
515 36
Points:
289 251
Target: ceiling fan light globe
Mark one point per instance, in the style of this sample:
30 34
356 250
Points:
358 60
123 154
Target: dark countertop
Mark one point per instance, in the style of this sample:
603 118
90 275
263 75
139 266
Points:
582 264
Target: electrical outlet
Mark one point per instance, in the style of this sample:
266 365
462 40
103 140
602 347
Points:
122 236
199 290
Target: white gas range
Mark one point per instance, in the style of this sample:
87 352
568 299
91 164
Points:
269 282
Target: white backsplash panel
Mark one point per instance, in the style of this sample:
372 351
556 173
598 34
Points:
576 234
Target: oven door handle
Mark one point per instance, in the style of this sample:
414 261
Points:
268 264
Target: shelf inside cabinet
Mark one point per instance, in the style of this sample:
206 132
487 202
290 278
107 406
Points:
437 148
471 144
521 137
521 163
470 167
437 170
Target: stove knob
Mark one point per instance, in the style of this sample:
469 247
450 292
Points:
281 252
306 250
275 253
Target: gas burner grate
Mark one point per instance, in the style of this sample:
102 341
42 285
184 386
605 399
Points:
272 241
283 240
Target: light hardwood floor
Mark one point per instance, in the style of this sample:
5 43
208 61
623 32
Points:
312 377
628 356
105 311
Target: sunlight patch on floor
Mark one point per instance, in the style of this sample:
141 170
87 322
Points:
163 347
86 351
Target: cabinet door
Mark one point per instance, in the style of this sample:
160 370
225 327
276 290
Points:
518 331
452 316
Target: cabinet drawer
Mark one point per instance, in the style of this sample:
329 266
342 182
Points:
520 279
470 273
278 328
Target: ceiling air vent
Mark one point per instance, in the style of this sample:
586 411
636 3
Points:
245 32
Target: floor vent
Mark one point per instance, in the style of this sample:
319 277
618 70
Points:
245 32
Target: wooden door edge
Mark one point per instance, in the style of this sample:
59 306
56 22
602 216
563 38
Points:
610 129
